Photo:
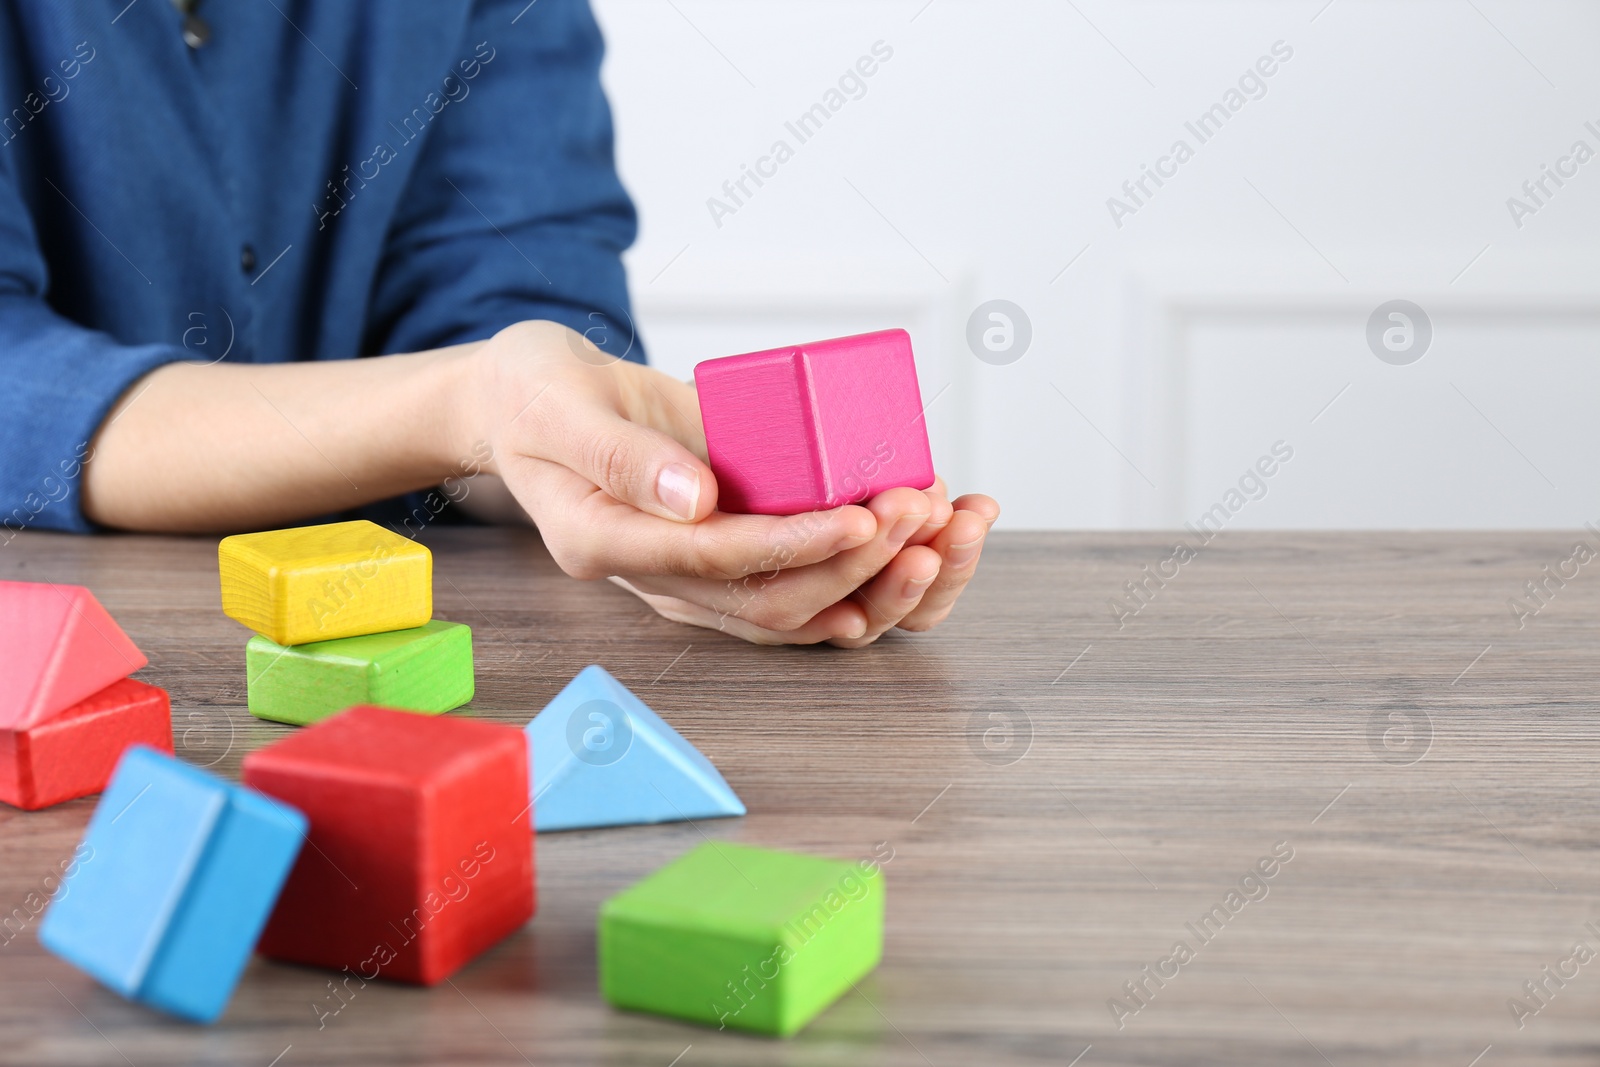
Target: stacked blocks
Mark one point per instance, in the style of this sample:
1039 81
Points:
816 425
68 709
178 871
742 937
601 757
342 613
423 854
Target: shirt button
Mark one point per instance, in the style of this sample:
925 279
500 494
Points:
247 259
195 32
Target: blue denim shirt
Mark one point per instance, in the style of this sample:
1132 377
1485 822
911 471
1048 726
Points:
320 179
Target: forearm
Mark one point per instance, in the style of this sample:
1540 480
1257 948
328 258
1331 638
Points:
193 448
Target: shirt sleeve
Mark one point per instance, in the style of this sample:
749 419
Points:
60 380
514 210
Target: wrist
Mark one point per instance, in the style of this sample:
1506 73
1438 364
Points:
456 384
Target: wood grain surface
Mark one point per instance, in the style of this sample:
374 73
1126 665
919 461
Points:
1062 795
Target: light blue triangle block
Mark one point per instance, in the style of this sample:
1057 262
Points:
600 757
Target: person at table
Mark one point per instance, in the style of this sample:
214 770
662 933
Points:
208 209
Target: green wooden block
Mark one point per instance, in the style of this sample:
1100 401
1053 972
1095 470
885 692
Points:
427 669
742 937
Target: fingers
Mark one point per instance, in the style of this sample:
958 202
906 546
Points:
958 546
915 589
894 593
784 600
630 462
659 400
938 517
836 621
984 506
592 535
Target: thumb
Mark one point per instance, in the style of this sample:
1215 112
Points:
632 463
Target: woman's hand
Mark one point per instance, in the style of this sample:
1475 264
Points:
608 459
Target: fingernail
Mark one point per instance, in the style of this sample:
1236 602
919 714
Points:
914 587
961 555
678 489
847 542
905 527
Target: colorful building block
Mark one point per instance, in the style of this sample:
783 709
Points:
742 937
816 425
428 669
602 758
74 753
178 872
422 856
57 646
319 583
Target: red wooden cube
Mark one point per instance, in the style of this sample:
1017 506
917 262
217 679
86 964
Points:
73 753
421 851
816 425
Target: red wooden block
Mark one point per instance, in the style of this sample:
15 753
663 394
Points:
73 754
421 850
57 646
816 425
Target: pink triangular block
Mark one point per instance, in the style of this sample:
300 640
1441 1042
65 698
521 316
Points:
57 646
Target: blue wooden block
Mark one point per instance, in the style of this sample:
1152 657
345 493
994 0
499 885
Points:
179 874
600 757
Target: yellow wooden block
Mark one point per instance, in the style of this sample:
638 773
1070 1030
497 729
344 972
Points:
318 583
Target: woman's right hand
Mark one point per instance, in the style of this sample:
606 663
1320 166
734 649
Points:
607 459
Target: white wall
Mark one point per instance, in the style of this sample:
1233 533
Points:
1219 318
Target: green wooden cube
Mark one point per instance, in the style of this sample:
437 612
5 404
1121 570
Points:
742 937
427 669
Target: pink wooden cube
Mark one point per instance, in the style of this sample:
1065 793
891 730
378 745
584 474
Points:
816 425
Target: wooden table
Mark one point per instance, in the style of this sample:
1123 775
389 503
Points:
1064 797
